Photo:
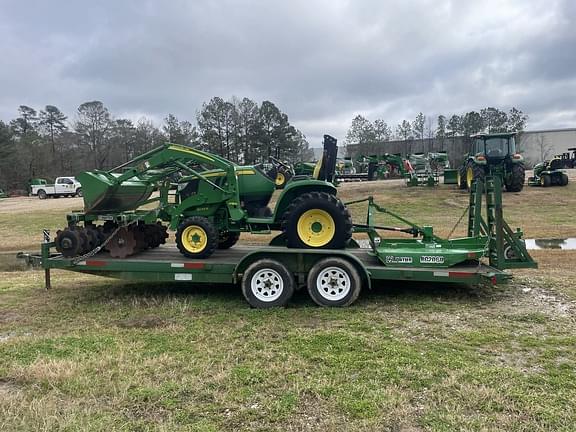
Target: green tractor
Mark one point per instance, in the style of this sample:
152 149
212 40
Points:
549 173
493 154
208 201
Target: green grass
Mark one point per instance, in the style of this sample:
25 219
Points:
103 355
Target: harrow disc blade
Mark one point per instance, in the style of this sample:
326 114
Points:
122 244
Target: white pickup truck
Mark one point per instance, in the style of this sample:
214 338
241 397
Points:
64 186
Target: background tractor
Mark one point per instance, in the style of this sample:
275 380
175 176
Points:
549 173
493 154
207 200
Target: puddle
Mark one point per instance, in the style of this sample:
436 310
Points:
563 244
9 262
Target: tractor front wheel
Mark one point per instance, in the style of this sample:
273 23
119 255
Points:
317 220
196 237
516 178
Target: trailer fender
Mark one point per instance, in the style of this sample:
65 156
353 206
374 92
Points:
300 261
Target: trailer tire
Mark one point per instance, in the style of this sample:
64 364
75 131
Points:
334 282
317 220
42 194
196 237
267 283
228 240
516 178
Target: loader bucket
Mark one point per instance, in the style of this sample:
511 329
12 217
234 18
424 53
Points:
103 194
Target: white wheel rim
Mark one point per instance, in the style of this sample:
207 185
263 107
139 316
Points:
267 285
333 283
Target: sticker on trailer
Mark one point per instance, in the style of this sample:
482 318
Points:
183 276
432 259
391 259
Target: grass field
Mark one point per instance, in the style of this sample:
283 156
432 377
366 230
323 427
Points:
98 354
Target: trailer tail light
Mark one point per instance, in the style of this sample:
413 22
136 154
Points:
517 156
493 280
471 255
459 274
95 263
194 265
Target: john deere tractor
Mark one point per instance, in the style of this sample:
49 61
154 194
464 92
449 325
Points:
207 200
549 173
493 154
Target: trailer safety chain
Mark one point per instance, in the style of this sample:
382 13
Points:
458 223
104 243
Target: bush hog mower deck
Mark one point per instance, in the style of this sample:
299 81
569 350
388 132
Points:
209 208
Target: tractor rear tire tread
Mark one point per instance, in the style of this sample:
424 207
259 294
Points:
517 177
478 173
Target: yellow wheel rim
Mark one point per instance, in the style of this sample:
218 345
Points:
194 239
542 183
316 228
469 177
458 179
280 179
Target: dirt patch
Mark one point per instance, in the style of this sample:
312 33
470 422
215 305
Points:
8 317
33 204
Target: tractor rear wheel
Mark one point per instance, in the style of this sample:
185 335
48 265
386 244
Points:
516 178
474 172
545 180
461 177
317 220
564 179
282 177
228 240
196 237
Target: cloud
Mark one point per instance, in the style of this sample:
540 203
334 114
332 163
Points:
321 62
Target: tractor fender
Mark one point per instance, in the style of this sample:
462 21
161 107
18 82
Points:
297 188
300 261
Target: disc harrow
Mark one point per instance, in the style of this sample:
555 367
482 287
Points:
119 242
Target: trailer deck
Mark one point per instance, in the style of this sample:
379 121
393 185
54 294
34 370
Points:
227 266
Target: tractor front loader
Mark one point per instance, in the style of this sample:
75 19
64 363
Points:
207 200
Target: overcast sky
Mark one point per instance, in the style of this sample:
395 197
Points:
321 62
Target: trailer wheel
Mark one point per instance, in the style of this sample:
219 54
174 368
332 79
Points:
334 282
228 240
267 283
317 220
42 194
196 237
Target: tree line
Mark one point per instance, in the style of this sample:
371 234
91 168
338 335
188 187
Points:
365 133
46 143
